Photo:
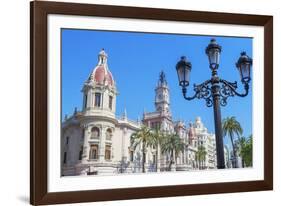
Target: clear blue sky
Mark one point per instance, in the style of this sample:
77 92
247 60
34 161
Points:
136 59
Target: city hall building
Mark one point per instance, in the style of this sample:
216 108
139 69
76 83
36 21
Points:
95 142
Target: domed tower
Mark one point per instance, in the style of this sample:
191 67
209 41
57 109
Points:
100 90
162 96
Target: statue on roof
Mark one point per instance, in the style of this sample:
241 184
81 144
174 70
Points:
162 78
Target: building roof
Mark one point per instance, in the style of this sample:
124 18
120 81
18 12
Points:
101 73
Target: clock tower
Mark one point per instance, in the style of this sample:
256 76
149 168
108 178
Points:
162 97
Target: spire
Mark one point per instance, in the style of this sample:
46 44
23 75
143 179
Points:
125 114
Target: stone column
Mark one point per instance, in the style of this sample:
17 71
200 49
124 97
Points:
123 151
146 165
102 144
85 155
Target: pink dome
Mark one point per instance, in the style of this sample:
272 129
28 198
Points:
102 75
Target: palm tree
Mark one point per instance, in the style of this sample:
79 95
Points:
200 155
155 141
248 152
142 137
231 127
242 149
172 144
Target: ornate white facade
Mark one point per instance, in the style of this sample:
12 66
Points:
95 141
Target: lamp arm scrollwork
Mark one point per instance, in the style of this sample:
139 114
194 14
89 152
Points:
202 91
185 96
233 87
229 89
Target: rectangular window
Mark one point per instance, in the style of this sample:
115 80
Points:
107 152
94 152
131 156
154 159
64 157
97 99
155 125
81 153
110 102
85 101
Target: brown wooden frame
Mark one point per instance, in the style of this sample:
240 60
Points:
38 102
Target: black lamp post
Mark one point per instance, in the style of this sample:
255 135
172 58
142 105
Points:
215 90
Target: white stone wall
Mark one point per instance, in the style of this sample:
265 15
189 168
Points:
74 144
121 142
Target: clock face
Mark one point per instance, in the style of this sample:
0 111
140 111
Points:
160 96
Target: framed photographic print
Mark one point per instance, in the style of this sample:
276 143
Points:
131 102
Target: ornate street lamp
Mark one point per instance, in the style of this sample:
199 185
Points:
244 64
215 90
213 51
183 70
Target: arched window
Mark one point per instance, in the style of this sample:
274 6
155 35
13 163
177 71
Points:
108 134
95 133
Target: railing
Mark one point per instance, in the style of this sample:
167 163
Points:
129 120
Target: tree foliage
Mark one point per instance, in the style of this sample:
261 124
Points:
245 149
173 145
200 156
232 127
142 138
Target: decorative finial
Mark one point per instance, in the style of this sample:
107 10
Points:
102 57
